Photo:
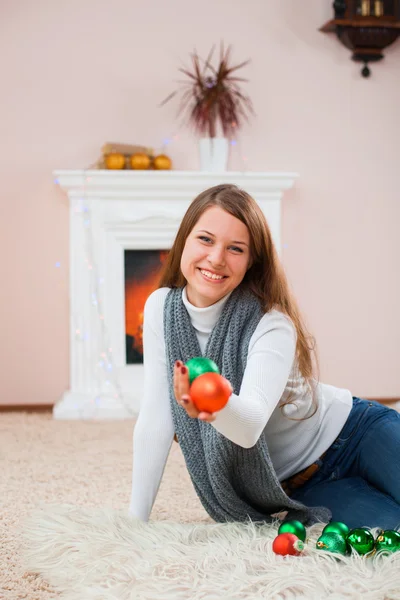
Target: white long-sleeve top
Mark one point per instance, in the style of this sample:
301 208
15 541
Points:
268 379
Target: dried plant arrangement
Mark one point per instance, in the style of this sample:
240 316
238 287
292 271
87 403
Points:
212 95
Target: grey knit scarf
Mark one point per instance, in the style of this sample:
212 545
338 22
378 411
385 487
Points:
233 483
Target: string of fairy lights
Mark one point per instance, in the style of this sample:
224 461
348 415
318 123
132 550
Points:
106 373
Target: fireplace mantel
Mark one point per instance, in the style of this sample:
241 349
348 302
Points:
110 212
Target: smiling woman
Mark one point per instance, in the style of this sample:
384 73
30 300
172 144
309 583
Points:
283 442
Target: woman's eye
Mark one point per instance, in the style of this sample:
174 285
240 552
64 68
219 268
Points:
206 239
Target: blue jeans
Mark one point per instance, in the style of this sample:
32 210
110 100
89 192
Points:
359 476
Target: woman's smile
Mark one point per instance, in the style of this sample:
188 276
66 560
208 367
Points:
211 277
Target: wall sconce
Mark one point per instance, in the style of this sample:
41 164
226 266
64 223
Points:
366 27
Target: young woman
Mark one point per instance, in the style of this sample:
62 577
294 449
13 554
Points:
285 443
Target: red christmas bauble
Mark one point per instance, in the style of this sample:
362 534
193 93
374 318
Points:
210 392
287 543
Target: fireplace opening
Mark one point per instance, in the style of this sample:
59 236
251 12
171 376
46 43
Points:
142 274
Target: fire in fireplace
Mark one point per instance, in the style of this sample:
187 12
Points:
142 273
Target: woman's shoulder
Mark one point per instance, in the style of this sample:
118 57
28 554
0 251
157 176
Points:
154 311
155 302
274 320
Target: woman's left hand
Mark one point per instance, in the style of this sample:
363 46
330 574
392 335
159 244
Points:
182 395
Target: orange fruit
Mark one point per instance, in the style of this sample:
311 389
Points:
162 162
115 160
140 161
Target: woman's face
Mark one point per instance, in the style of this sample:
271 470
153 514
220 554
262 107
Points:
216 256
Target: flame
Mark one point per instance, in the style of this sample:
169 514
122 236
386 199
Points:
136 293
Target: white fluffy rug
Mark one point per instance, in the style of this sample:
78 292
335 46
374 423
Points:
104 554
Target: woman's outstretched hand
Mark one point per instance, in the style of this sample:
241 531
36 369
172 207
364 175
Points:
182 394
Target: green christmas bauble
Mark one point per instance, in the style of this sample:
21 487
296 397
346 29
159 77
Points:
333 542
388 541
199 365
293 527
336 527
361 540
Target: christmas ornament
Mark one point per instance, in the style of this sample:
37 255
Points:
294 527
140 161
361 540
162 162
210 392
200 365
336 527
287 543
333 542
115 160
388 541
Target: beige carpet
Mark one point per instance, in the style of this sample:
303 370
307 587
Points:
93 550
78 463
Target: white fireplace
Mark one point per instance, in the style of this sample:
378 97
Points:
110 212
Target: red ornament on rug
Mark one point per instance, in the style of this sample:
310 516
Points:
210 392
287 543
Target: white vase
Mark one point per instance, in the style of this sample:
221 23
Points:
214 153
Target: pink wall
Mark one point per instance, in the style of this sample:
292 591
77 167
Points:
77 73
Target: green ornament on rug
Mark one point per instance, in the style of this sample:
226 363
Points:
336 527
332 541
388 541
294 527
361 539
199 365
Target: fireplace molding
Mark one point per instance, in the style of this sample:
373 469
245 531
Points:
111 212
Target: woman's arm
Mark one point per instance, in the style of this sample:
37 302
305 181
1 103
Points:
270 360
154 430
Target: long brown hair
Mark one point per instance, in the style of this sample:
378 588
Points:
265 278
